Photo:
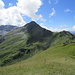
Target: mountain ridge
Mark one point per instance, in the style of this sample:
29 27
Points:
6 28
25 42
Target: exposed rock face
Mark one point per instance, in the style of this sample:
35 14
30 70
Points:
37 32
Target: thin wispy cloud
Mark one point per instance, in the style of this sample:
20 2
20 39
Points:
52 13
53 1
10 4
57 29
61 29
62 26
22 7
67 10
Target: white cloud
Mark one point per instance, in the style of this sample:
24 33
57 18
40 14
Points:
74 27
67 10
54 29
41 18
1 4
57 29
52 13
13 14
61 29
29 8
42 25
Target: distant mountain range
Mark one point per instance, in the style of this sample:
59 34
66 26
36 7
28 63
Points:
6 28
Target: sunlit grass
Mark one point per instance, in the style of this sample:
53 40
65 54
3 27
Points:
54 61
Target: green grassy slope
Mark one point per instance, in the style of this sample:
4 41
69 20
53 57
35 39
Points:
11 44
56 60
23 43
16 45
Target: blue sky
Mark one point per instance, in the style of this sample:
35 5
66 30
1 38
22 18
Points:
55 15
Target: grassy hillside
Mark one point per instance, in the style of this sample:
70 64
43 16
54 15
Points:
56 60
33 50
22 43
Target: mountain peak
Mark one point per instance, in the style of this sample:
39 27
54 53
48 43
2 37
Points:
32 26
33 22
36 32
